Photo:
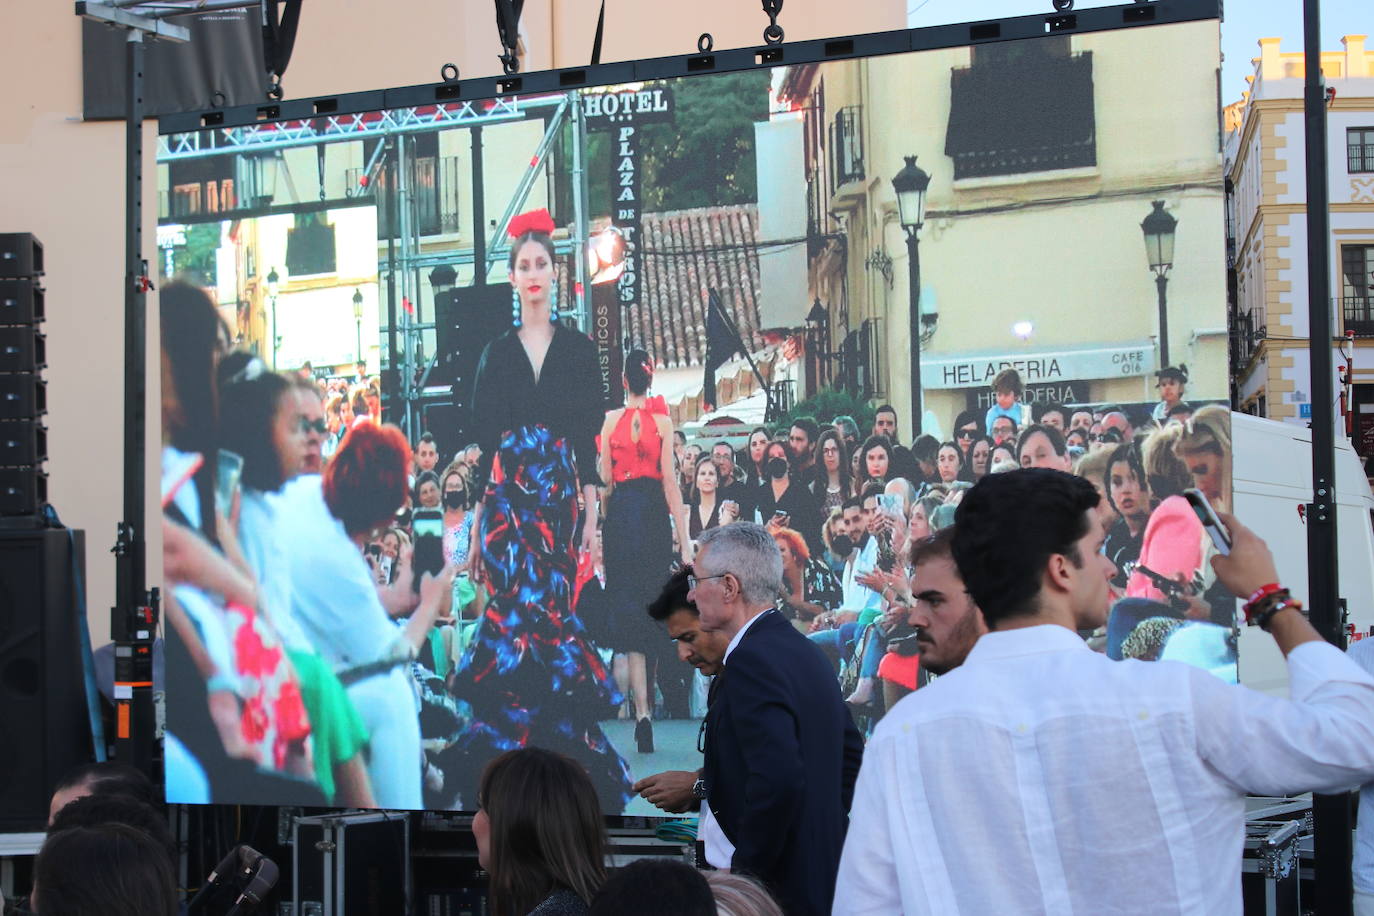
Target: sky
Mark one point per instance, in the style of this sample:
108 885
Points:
1245 23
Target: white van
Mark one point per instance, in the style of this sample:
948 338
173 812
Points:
1272 476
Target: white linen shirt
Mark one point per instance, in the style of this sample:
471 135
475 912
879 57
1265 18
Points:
1362 866
1041 777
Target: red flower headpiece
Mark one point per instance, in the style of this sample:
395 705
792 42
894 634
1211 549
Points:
531 221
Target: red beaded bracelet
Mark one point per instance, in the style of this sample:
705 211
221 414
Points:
1262 592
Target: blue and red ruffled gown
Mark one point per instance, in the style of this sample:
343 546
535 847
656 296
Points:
531 675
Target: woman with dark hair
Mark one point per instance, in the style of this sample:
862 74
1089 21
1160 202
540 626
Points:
949 463
832 485
457 502
328 521
264 425
540 834
643 507
427 494
238 709
783 501
979 458
875 462
530 674
706 509
107 870
755 474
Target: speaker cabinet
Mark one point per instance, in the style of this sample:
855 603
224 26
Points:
21 255
44 728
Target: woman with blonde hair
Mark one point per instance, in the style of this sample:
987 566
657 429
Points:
739 895
1204 445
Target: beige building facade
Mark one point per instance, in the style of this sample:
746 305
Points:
1266 169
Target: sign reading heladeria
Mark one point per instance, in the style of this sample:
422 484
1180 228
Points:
1127 360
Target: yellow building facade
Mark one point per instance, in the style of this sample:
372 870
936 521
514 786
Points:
1266 169
1031 257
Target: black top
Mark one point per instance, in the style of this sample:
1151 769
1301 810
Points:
801 506
561 902
1122 549
566 399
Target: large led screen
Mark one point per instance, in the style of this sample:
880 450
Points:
411 523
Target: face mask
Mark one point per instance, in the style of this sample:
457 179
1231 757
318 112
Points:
454 499
841 545
777 467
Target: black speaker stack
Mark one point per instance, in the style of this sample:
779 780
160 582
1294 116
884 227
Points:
23 395
44 725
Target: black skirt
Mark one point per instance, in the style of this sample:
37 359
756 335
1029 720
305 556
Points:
637 541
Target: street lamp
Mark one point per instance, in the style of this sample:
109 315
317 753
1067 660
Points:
442 279
358 319
911 184
272 280
1159 250
818 328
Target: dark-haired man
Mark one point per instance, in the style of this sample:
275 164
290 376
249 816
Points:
801 444
885 422
1003 430
104 778
946 619
426 453
675 791
1088 781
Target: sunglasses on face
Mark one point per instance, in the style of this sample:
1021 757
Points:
965 434
318 426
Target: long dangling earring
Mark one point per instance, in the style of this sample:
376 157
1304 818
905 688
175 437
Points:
515 306
553 302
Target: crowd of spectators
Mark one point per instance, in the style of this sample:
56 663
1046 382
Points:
844 506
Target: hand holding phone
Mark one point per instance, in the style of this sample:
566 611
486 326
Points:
1221 538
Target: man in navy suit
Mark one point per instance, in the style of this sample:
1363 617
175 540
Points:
782 752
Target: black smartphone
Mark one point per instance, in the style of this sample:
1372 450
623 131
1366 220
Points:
1221 538
428 557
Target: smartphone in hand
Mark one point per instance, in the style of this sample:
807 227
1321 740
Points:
1221 538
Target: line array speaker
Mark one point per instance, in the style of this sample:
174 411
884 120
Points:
43 719
23 393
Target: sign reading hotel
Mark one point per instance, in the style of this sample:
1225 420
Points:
622 113
1130 360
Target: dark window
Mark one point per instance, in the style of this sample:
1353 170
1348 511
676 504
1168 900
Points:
310 246
201 185
1359 149
1357 278
847 146
1023 106
433 185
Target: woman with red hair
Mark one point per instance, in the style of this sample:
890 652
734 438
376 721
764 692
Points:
530 674
327 521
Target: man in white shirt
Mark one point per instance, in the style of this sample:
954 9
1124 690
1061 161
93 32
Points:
1041 777
1362 651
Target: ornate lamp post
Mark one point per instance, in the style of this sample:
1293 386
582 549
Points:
1159 249
911 184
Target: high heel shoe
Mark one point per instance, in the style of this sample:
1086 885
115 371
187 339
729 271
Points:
644 735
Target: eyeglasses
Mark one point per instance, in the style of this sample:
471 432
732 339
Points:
694 581
965 434
317 425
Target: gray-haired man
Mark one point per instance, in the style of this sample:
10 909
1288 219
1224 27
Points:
782 753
